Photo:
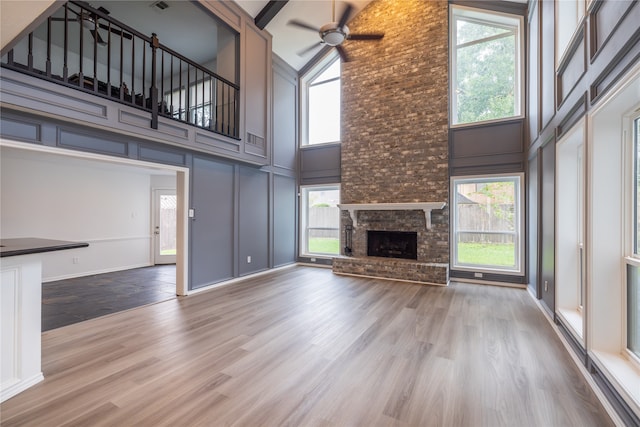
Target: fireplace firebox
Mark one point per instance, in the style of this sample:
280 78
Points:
392 244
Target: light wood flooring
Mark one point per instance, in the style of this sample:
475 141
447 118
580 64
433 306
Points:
304 347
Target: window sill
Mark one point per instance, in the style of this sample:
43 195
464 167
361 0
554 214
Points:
486 122
323 144
574 322
622 374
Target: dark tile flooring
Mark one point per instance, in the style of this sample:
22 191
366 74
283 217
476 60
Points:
65 302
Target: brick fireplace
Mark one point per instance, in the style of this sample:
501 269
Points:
395 138
427 267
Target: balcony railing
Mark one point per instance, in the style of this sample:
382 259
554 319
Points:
82 47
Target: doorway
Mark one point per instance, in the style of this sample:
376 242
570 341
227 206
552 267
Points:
165 211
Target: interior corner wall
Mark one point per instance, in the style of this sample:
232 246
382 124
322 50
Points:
42 197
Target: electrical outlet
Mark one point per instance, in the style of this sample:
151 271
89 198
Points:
313 260
546 286
249 259
478 275
76 260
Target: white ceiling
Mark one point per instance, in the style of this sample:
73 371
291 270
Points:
288 40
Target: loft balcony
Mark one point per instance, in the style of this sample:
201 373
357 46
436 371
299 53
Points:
88 49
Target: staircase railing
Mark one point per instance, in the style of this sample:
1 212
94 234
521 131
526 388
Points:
82 47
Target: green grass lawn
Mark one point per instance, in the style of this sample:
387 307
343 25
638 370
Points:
324 245
500 254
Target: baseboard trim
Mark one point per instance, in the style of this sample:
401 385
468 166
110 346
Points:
488 282
20 386
94 272
237 279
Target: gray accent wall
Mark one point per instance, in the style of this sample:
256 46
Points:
253 220
211 241
285 222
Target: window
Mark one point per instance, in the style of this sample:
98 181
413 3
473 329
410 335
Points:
487 230
613 264
569 230
569 14
322 104
486 65
633 262
320 220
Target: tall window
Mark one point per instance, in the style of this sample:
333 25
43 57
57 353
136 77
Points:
322 102
487 231
486 65
320 220
633 262
569 13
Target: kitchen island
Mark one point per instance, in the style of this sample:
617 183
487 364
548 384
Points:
21 310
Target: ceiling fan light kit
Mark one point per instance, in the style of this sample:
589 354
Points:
332 35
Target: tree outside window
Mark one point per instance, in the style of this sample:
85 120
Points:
485 66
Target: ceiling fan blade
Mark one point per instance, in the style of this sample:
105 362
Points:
306 50
365 36
304 25
103 10
96 36
116 31
342 53
62 19
346 14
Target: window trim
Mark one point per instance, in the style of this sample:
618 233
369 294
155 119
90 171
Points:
632 257
519 100
519 235
306 81
304 219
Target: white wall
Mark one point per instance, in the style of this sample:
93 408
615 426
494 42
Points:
104 205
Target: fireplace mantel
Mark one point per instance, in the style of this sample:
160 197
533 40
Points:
427 207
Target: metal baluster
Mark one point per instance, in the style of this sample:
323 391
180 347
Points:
65 53
95 54
180 112
133 70
122 84
144 72
109 59
81 55
188 94
48 65
236 104
30 54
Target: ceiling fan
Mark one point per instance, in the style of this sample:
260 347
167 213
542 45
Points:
335 32
89 20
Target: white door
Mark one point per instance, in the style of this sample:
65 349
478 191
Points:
164 226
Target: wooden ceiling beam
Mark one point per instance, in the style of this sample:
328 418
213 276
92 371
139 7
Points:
269 12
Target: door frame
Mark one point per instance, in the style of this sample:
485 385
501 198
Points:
182 192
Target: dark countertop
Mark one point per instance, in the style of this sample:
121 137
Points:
32 245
